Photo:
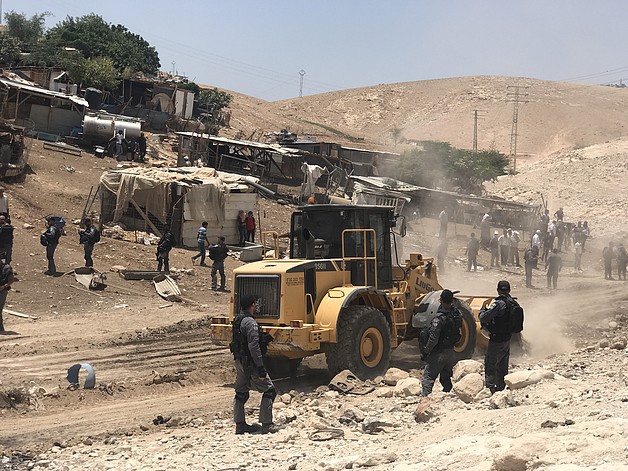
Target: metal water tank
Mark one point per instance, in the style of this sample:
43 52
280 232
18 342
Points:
103 126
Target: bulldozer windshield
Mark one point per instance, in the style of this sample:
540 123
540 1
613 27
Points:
316 233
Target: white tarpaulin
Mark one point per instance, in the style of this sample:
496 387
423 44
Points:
151 188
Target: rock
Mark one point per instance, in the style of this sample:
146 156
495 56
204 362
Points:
28 226
502 400
465 367
352 415
280 405
483 394
384 392
618 343
408 387
604 343
315 422
144 428
521 379
469 387
549 424
394 375
374 425
424 412
286 398
612 325
88 441
286 416
117 268
375 460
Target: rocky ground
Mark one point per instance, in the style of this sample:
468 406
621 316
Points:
163 392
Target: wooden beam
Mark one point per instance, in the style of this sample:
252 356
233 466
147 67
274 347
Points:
19 314
145 217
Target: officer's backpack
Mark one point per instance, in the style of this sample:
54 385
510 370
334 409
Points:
96 236
450 331
516 318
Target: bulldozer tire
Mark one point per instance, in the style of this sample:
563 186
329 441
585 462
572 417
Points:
363 343
466 345
280 367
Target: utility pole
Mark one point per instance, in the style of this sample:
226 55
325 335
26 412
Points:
515 94
477 114
301 73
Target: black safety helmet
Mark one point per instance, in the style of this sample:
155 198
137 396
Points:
447 296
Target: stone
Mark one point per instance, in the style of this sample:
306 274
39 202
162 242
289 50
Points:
286 416
549 424
618 343
424 412
604 343
465 367
408 387
374 425
286 398
384 392
523 378
502 399
352 415
280 405
483 394
612 325
394 375
117 268
375 460
144 428
469 386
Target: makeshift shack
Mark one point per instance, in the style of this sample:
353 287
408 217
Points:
182 198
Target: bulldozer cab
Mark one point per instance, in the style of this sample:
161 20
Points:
329 232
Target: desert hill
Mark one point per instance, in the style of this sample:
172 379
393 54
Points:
553 116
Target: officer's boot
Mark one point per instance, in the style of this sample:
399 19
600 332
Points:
269 428
243 428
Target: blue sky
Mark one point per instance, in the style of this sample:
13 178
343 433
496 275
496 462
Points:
258 47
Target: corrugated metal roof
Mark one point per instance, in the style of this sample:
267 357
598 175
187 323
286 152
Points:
235 142
42 91
372 151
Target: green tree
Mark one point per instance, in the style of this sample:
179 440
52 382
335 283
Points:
26 30
439 165
215 102
100 73
94 37
9 50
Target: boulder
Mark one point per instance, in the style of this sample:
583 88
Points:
408 387
521 379
394 375
618 343
469 387
384 392
465 367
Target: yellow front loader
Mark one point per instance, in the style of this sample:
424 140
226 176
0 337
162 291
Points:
340 294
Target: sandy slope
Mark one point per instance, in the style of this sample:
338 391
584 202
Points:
553 116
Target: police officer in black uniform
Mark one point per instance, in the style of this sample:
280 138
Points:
438 353
87 238
497 320
6 279
218 253
248 345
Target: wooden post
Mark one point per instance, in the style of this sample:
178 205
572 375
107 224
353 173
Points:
145 217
